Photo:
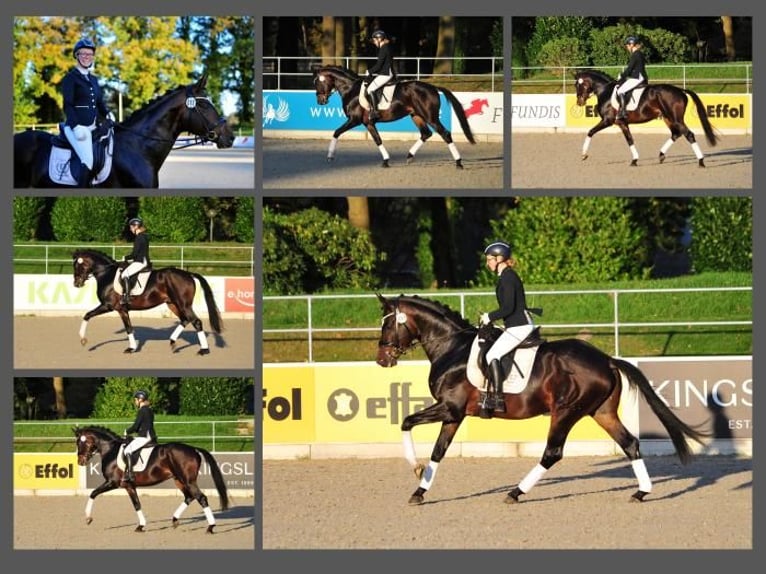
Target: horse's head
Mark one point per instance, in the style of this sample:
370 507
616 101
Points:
583 87
203 118
324 84
399 331
83 262
87 445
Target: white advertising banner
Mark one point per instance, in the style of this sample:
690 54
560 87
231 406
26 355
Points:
484 111
538 111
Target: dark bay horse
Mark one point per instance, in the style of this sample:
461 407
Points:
569 379
169 285
413 98
658 101
174 460
141 143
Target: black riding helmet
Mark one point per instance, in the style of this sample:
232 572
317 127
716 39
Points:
499 248
135 221
631 40
143 395
83 43
379 34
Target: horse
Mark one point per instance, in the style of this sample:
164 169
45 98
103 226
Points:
141 143
655 101
165 285
413 98
568 379
173 460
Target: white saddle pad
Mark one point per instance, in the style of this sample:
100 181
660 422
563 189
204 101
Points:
138 287
635 95
517 379
143 458
385 101
58 167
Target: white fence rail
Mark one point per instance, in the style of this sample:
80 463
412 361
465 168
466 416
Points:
615 323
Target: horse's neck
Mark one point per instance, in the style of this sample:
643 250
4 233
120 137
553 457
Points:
347 87
160 131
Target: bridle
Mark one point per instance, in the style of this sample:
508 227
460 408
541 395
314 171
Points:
325 92
398 350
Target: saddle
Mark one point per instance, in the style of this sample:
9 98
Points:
61 164
386 98
136 283
633 99
138 458
488 334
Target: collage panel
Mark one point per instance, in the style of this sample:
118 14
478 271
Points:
421 97
671 98
430 357
133 102
171 457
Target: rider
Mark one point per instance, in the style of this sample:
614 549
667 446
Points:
380 72
83 102
138 258
633 74
512 310
143 427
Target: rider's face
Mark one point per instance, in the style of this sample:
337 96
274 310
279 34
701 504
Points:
492 262
85 57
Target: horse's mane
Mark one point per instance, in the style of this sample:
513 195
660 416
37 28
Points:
436 307
95 253
341 71
599 75
102 431
152 105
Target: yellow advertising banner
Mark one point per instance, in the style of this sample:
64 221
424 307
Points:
725 111
41 471
366 403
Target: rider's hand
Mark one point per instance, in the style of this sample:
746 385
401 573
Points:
125 433
485 320
110 117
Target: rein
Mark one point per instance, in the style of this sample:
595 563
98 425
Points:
401 319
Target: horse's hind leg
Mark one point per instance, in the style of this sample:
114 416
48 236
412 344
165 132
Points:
446 135
695 147
201 335
425 134
193 492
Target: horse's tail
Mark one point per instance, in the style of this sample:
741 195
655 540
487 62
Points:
220 483
712 138
212 309
677 429
460 113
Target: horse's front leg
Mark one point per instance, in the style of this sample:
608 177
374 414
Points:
438 412
379 143
132 343
137 507
105 487
425 133
603 124
350 123
629 139
100 310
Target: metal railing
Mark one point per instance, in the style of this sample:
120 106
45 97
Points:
410 68
49 257
215 436
615 324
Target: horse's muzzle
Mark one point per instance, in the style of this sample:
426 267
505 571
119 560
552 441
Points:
322 99
387 357
78 282
581 101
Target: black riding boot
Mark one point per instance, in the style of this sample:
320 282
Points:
128 476
622 113
496 372
84 179
125 291
374 98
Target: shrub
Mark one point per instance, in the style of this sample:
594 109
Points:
215 396
722 234
97 218
174 219
26 217
115 397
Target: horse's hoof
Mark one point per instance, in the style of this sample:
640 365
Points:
584 157
662 157
172 345
638 496
410 158
415 499
139 528
129 350
513 496
459 164
702 163
175 522
88 520
83 341
203 352
385 163
634 163
330 159
419 470
210 529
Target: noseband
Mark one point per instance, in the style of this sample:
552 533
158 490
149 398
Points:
209 128
400 319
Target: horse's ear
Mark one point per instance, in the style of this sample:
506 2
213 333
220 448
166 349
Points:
202 82
383 300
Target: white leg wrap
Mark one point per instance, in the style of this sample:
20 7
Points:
202 339
415 147
634 151
384 152
132 342
428 475
331 150
177 333
89 508
209 515
697 150
531 479
586 145
639 469
409 448
141 517
666 146
83 328
180 510
453 150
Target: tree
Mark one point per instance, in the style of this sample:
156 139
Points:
445 45
58 389
359 212
727 24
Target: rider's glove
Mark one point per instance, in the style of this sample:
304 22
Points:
485 320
